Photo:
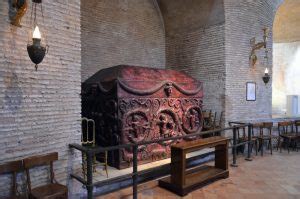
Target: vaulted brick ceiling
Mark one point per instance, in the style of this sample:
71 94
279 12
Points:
191 14
287 22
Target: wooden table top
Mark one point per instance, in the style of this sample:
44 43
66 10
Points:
201 143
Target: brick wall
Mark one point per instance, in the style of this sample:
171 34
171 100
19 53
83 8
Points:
40 110
217 52
195 44
121 32
200 53
244 20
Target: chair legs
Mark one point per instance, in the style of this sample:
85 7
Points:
251 146
262 147
256 147
279 144
287 143
271 146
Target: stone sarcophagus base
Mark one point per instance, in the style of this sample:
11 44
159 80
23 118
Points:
133 104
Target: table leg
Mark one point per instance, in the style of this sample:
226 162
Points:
178 165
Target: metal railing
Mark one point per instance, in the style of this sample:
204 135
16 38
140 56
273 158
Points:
91 151
236 126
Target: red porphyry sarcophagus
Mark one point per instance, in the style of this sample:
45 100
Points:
133 104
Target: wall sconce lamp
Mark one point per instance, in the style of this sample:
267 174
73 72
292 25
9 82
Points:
256 46
20 9
36 50
266 77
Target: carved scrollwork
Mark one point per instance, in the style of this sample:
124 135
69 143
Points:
155 105
174 103
186 103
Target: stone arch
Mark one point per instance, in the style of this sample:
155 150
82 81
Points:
286 53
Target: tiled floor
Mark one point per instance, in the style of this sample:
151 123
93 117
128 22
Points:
273 177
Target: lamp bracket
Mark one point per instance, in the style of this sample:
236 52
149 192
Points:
20 9
256 46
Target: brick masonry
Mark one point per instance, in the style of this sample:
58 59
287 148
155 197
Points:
195 44
40 110
200 53
118 32
244 20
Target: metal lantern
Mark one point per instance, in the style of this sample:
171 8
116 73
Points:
266 77
36 50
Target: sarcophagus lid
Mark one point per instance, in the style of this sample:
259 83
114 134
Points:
145 81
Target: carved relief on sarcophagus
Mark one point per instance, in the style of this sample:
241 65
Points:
133 104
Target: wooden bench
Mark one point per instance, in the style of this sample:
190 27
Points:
183 181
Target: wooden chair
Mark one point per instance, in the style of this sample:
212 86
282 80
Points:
286 134
207 120
241 137
256 131
49 191
217 124
266 135
297 126
13 167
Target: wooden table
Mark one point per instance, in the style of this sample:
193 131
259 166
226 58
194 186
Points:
183 181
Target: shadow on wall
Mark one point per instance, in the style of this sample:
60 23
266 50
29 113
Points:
11 11
13 93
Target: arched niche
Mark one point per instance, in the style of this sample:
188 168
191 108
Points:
115 32
286 59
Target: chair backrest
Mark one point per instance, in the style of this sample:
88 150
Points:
207 118
217 123
215 120
39 160
221 118
268 127
285 127
12 167
206 114
257 129
297 124
241 132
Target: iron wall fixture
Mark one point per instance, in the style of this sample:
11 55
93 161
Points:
256 46
36 50
266 77
20 9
